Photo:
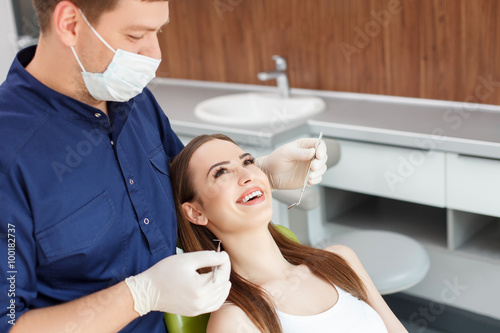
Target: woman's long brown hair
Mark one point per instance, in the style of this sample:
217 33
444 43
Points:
251 298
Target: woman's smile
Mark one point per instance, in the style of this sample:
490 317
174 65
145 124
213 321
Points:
252 196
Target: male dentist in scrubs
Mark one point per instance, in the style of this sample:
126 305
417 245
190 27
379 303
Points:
88 224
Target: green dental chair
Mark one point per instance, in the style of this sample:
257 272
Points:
181 324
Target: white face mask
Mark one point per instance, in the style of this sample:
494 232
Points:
126 75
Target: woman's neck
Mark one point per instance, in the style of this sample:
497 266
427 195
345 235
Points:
256 256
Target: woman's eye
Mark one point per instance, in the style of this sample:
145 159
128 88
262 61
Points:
220 172
249 161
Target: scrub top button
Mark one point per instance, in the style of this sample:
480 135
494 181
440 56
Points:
112 143
146 221
97 115
131 181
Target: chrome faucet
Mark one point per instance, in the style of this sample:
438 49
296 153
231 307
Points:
279 75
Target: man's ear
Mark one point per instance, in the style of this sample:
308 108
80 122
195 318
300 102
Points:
66 21
193 214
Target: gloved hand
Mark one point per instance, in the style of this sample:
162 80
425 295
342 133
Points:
173 285
286 167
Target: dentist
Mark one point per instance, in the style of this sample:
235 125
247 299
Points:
86 207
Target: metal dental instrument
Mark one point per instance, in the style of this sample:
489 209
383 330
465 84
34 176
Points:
214 268
308 173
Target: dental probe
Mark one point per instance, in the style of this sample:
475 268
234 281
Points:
214 268
308 173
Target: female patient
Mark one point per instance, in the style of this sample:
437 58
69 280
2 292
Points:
277 285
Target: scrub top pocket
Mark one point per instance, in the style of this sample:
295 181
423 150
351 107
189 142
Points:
160 161
70 249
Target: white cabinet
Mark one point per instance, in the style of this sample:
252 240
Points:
473 184
391 172
448 202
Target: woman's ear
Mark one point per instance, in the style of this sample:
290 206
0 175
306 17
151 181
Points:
193 214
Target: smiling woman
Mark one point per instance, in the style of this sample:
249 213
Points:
278 285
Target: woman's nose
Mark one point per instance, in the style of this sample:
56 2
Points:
246 176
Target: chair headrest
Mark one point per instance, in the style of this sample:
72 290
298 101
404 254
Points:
333 151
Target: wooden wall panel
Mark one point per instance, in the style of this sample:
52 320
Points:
440 49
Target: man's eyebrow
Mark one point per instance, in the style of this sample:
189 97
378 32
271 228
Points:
145 27
140 28
226 162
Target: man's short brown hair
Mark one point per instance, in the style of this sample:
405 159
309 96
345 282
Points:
93 9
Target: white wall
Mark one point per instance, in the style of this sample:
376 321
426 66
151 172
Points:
8 37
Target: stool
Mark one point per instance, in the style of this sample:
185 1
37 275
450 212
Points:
395 262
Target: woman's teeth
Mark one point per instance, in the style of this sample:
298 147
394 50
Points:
252 195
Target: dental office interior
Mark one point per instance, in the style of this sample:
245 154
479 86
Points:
406 95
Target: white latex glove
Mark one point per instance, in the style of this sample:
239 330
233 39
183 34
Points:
286 167
173 285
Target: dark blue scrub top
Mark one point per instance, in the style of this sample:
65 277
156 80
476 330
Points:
87 197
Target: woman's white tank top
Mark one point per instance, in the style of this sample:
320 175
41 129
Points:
349 315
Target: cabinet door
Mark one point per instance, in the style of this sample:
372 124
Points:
473 184
392 172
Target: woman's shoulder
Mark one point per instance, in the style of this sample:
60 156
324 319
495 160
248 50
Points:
350 257
230 318
344 251
375 300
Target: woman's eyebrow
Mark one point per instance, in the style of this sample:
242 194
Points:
245 155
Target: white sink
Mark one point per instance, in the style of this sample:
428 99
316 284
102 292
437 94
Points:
257 108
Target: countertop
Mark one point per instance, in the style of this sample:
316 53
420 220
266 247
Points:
178 99
464 128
